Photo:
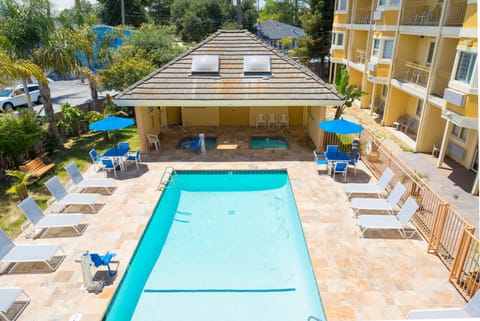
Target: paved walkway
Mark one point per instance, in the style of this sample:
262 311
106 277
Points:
452 181
379 276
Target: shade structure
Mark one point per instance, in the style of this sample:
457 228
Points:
340 126
111 123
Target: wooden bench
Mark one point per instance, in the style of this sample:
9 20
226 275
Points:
36 167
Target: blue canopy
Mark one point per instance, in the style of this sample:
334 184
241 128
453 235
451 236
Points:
340 126
111 123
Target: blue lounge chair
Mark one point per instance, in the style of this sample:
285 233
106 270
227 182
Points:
70 199
9 297
99 260
82 183
110 165
41 222
342 168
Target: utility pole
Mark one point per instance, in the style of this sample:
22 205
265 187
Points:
122 10
239 12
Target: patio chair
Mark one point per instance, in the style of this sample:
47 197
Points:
411 123
378 204
10 297
283 120
134 158
367 188
96 159
153 141
110 165
28 253
332 149
123 145
342 168
103 260
390 222
320 160
470 310
261 120
353 162
41 222
82 183
70 199
401 121
194 145
272 120
436 149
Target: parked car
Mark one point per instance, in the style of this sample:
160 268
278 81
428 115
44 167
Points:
10 98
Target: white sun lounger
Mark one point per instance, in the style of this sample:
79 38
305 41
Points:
68 199
470 310
28 253
41 222
82 183
10 296
395 222
380 204
377 188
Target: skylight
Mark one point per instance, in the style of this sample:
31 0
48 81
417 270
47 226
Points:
256 64
205 64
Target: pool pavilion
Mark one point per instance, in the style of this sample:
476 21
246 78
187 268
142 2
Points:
228 80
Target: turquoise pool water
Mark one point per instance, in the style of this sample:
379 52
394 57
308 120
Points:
264 142
221 246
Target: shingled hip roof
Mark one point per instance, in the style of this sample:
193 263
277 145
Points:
289 83
276 30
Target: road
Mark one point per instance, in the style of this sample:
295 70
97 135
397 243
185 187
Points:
71 91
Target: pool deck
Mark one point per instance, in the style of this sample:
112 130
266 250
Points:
379 276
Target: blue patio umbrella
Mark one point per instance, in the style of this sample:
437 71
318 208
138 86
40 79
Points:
111 123
340 126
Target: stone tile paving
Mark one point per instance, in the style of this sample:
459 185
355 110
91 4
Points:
379 276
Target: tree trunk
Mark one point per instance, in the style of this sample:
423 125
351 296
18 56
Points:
49 113
27 93
94 95
338 112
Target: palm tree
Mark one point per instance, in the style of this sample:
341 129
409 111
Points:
349 92
11 70
58 53
19 187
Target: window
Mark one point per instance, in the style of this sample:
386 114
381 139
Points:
430 53
465 67
419 110
382 48
385 3
341 5
338 39
388 49
376 47
460 132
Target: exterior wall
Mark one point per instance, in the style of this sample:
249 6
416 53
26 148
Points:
340 19
467 146
390 17
148 122
315 115
200 116
432 134
471 16
398 104
296 116
254 111
469 110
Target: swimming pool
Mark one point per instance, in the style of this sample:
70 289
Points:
210 142
222 245
268 142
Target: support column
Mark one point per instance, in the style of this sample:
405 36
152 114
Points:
443 148
139 119
475 186
372 101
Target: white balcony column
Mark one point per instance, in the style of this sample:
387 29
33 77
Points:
372 100
443 149
475 185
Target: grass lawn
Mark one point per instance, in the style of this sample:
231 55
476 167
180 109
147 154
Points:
76 150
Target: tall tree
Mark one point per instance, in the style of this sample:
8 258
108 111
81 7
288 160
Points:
159 11
317 22
249 15
280 10
110 12
81 14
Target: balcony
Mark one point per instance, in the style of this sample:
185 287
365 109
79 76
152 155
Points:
422 15
360 56
415 73
363 16
456 14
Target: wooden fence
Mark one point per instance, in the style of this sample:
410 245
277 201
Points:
448 234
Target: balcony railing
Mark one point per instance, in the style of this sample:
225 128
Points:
456 14
422 15
360 56
363 16
415 73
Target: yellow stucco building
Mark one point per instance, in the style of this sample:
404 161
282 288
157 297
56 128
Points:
417 59
228 80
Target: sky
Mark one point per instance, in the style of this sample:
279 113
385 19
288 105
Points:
64 4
